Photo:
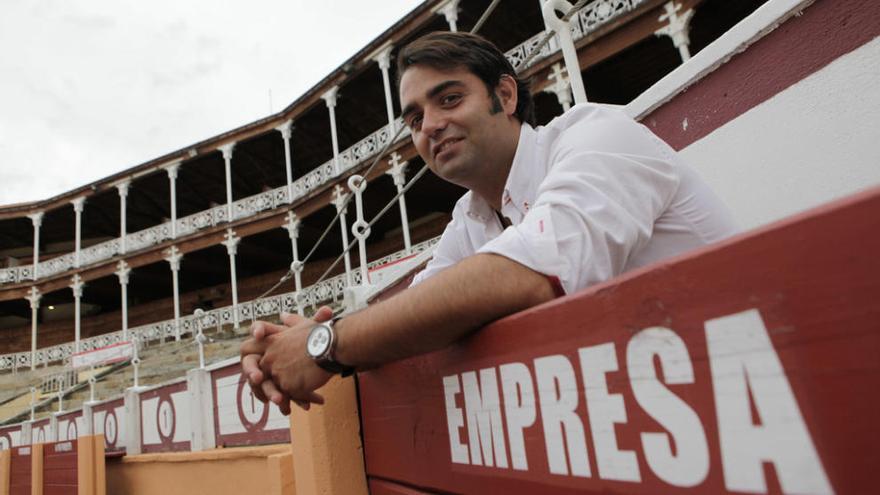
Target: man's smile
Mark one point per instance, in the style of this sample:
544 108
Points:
443 146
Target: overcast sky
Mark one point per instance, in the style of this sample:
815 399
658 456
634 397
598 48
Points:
91 87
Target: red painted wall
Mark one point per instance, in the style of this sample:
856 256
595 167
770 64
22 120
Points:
805 295
20 472
60 468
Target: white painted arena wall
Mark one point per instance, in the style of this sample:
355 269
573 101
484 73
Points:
816 141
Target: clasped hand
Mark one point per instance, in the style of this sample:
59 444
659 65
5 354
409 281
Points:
275 364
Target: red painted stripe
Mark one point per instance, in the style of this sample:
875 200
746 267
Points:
801 46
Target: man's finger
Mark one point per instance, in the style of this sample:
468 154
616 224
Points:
271 391
262 329
324 313
253 346
250 368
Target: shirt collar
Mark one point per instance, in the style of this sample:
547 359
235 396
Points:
515 199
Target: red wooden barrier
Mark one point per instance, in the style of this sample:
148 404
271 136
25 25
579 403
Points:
241 419
750 366
60 468
107 418
20 471
165 419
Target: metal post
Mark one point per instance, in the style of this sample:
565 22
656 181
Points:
560 87
292 228
449 10
330 99
33 298
566 43
360 228
339 198
36 220
383 58
230 240
226 149
172 183
122 271
135 360
677 28
122 188
173 259
77 211
33 401
76 285
286 130
200 336
398 173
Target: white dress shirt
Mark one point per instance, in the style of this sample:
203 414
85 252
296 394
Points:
590 196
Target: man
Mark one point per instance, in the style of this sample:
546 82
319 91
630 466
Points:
549 211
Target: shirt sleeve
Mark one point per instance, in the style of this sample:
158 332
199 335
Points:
596 206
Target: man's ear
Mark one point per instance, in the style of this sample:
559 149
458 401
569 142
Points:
507 94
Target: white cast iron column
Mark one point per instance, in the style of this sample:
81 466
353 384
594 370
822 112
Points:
383 58
398 173
230 240
226 149
122 188
678 28
33 298
330 99
173 259
172 188
566 43
77 286
77 211
339 197
292 228
560 87
36 220
450 12
286 130
122 271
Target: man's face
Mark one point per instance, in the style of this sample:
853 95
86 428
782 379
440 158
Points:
455 126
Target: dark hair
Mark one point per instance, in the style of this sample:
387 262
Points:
446 50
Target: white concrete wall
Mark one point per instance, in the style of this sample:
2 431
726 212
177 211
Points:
814 142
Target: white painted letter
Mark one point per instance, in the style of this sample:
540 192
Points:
483 409
742 359
605 411
519 409
558 397
454 419
689 466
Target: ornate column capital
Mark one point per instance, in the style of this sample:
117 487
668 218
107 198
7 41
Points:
76 284
339 197
383 57
36 218
123 187
78 204
172 168
449 10
286 129
230 240
561 86
292 225
397 170
173 258
34 297
677 26
330 96
226 149
122 271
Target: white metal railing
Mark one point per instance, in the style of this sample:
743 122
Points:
243 208
591 17
330 289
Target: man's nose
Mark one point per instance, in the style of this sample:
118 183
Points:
433 123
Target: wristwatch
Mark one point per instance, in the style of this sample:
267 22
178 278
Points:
320 346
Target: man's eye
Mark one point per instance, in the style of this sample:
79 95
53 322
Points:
415 123
450 99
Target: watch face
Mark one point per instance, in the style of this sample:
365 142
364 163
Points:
319 341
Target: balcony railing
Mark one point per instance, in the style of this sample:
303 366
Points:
243 208
327 290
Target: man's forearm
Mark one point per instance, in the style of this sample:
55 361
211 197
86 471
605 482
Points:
439 311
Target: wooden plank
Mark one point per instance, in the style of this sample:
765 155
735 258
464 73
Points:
385 487
746 366
60 474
